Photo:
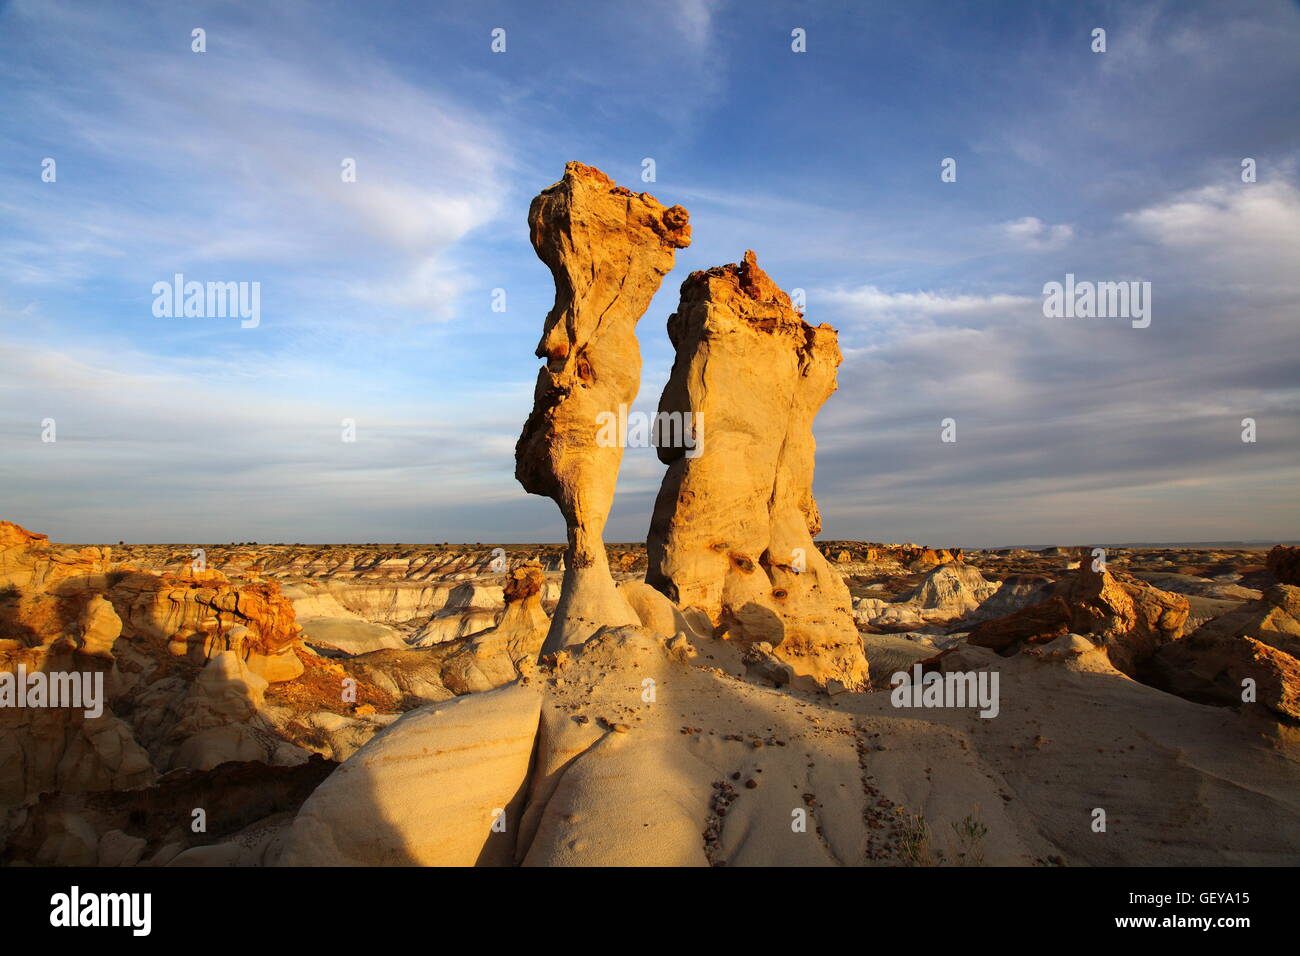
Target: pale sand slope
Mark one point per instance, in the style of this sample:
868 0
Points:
1181 783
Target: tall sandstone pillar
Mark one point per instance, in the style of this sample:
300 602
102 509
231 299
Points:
608 249
733 523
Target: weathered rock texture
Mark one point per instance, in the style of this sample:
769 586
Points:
608 249
200 614
733 524
709 770
945 594
1128 619
443 787
496 656
197 671
1284 564
1260 642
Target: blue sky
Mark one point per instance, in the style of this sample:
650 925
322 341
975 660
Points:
376 295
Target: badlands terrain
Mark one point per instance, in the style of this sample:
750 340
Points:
722 694
226 694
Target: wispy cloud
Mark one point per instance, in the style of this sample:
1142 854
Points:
1033 233
235 157
873 302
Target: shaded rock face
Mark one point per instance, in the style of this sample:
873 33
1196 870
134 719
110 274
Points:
467 761
196 671
150 823
1037 623
608 249
1259 642
733 523
1128 619
1016 591
1284 564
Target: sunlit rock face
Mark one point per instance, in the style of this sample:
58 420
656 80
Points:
733 523
608 249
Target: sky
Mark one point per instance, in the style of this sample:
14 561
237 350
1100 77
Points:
376 295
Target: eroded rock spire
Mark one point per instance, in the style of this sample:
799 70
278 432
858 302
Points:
608 249
733 523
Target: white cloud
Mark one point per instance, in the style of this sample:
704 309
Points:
235 155
694 20
232 448
1033 233
1250 227
871 301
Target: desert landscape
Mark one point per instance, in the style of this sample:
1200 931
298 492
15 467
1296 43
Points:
226 692
720 445
726 693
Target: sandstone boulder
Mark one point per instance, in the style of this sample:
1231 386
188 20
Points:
496 656
349 636
1128 619
453 624
201 614
442 786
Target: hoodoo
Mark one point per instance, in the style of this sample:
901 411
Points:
608 249
733 524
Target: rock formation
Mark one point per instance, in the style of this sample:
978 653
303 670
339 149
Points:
1015 592
80 829
710 769
1128 619
1284 564
201 615
733 523
608 249
443 786
947 593
1260 642
197 671
496 656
